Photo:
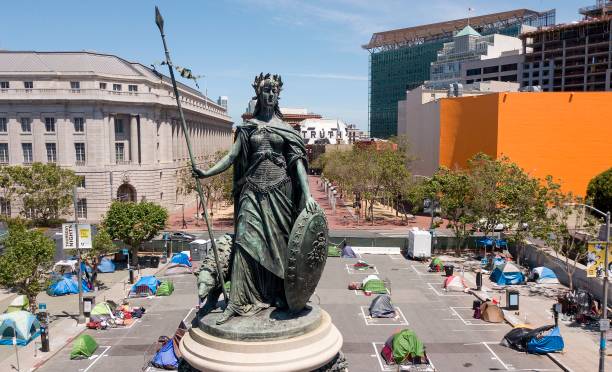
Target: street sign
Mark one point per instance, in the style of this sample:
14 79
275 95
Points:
85 241
69 236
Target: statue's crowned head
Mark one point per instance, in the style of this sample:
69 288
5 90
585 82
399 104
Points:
267 90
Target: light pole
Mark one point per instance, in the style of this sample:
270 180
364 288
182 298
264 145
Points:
604 325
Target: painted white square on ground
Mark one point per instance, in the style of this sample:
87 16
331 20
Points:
399 319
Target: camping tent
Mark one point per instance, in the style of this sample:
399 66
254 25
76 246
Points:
454 283
516 339
66 285
83 347
436 265
544 340
181 259
65 266
19 324
20 302
106 266
165 288
491 313
348 252
102 309
507 274
381 307
333 251
165 358
178 269
150 282
544 275
372 283
406 346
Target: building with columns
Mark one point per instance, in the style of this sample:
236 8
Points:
112 121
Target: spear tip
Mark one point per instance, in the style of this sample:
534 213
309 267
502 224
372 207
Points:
159 20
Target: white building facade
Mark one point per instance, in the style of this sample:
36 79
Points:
112 121
467 45
324 131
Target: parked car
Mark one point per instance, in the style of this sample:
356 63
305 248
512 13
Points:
182 236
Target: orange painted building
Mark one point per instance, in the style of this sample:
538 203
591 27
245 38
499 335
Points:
564 134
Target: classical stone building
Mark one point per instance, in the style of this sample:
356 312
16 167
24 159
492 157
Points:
114 122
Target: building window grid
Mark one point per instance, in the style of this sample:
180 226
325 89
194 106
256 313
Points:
4 85
103 86
50 125
79 150
79 125
5 207
75 86
82 183
132 88
117 87
118 126
27 153
81 208
51 152
4 153
3 125
26 125
119 152
28 85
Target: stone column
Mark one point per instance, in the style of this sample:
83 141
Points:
134 139
111 139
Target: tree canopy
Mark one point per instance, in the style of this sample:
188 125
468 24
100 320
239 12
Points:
134 223
599 191
27 257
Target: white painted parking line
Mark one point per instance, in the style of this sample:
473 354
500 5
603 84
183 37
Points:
446 294
97 358
495 356
399 319
469 322
370 270
387 368
420 273
122 327
189 313
359 292
396 256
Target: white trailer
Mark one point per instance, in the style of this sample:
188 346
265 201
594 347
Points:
419 244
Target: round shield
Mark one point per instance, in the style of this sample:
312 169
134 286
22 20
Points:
307 253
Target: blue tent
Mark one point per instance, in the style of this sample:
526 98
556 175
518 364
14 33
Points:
544 275
548 343
66 285
165 358
106 266
19 324
486 242
150 281
507 274
348 252
180 259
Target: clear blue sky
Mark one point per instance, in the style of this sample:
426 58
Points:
314 44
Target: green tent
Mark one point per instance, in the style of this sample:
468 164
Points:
406 345
83 347
165 288
333 251
102 309
436 264
20 302
375 286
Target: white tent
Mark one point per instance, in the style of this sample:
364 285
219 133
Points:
454 283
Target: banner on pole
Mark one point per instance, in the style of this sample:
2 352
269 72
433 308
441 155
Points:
69 237
85 241
596 260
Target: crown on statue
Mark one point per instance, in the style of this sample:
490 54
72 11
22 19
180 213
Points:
261 79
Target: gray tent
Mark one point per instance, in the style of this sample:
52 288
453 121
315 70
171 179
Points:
381 307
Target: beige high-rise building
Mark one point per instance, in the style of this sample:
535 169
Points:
112 121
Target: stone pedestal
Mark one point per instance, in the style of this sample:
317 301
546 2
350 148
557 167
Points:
268 342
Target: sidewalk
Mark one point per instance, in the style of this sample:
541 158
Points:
581 352
64 328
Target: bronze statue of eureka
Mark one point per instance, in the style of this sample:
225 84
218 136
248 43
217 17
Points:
280 241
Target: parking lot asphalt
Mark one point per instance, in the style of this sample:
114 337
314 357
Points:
454 341
130 348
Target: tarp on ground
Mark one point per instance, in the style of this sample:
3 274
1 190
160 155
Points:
102 309
22 325
165 288
165 358
83 347
381 307
150 281
181 259
491 313
85 267
67 284
406 345
544 275
436 264
19 303
348 252
543 342
507 274
516 339
106 266
454 283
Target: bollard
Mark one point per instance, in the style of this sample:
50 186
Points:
44 327
479 280
131 272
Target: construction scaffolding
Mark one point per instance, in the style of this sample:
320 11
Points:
400 60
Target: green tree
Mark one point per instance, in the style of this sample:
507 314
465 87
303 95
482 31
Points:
452 189
599 191
134 223
27 258
44 189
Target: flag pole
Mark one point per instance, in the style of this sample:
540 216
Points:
160 24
